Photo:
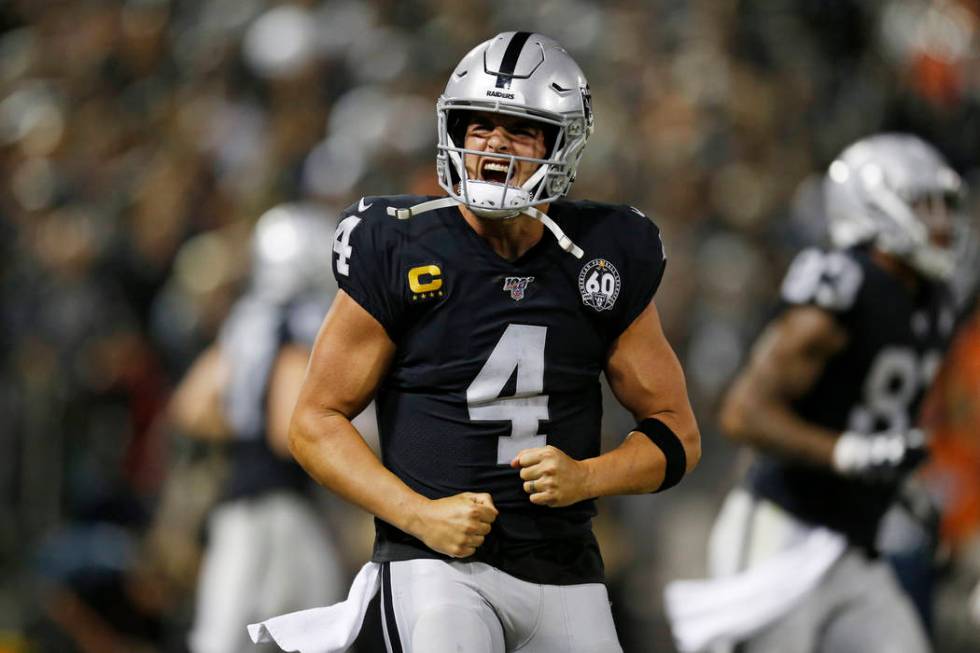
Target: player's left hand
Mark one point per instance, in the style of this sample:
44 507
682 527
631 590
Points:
551 477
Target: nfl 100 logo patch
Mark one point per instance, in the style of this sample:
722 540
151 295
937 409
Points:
517 286
599 284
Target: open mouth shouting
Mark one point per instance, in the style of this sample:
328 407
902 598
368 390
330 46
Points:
494 170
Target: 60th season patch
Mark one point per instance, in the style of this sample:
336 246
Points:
599 284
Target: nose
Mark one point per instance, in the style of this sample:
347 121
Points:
497 141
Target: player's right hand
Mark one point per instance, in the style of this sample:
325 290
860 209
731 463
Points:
883 456
456 525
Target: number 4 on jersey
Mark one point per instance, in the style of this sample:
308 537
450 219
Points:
521 348
341 243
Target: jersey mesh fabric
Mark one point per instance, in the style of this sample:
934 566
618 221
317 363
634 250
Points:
442 295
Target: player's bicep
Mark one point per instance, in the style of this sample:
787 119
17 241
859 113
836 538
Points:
348 361
784 364
645 375
792 352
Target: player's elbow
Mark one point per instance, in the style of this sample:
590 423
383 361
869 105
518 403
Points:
312 431
734 417
300 437
691 441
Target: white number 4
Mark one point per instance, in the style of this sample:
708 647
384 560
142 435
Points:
341 243
521 348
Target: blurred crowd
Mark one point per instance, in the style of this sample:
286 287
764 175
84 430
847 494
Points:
141 139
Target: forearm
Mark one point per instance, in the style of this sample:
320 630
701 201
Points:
203 425
332 451
774 427
636 466
196 405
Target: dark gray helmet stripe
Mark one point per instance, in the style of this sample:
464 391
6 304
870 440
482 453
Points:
511 55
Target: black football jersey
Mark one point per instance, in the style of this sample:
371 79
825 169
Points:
250 340
876 383
494 356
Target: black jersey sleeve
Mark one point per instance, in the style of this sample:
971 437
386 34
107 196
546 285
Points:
363 252
646 261
830 280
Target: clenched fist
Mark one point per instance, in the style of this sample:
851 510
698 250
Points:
456 525
551 477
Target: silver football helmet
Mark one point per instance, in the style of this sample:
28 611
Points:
519 74
874 191
291 252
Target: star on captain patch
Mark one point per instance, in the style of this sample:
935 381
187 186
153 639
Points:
517 286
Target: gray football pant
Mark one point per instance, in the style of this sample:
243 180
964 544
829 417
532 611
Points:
266 555
857 608
431 606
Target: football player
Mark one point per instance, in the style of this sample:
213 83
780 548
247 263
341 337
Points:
829 399
481 338
267 549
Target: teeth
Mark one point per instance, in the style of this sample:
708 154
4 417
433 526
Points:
495 166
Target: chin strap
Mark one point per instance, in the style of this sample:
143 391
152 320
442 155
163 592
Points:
424 207
563 241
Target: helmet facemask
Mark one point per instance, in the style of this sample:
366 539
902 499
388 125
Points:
897 192
565 141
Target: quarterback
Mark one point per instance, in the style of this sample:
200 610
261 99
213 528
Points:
481 338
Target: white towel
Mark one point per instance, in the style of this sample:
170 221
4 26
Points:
323 630
706 613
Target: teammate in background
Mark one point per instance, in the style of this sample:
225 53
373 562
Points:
482 339
829 399
267 550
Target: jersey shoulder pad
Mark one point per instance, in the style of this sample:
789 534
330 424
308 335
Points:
367 224
829 279
628 227
366 247
637 233
376 207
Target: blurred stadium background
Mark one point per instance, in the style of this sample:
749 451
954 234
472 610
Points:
141 139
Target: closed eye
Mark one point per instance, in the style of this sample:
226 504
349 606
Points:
480 125
525 129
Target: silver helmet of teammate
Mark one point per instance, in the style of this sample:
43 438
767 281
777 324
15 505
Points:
291 252
520 74
896 191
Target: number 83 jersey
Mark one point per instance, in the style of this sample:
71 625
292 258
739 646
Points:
495 356
896 338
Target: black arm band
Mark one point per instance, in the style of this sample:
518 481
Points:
668 442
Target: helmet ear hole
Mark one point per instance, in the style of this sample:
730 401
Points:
550 138
456 126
